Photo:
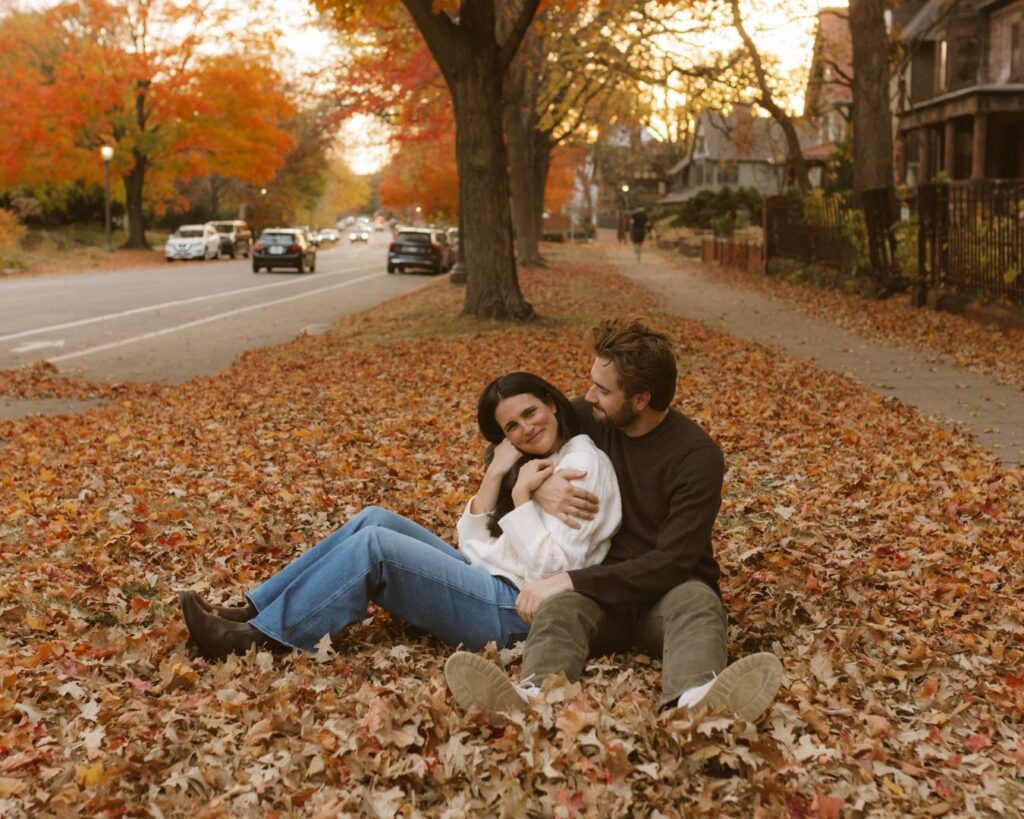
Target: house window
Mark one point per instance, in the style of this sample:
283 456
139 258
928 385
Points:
1015 49
942 65
729 173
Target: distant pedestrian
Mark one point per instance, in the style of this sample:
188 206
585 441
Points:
638 230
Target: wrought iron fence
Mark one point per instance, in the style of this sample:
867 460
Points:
971 237
795 228
853 234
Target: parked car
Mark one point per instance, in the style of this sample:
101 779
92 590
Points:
359 234
453 240
235 237
192 242
328 235
419 247
283 247
311 235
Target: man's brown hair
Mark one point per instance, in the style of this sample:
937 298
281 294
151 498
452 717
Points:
642 356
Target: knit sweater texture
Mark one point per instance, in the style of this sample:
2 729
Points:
534 544
671 485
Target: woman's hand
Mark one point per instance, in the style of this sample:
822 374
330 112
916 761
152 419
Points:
531 475
505 457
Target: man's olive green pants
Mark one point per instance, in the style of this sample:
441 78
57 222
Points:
686 628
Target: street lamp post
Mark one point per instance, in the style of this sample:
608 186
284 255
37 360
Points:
107 152
625 195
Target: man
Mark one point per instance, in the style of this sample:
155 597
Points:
658 586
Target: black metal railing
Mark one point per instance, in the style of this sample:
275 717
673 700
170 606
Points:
971 237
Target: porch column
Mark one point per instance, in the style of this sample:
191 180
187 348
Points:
978 144
924 155
901 157
949 149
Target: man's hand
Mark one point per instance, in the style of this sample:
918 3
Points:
569 503
533 594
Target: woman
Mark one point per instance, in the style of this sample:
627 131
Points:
461 597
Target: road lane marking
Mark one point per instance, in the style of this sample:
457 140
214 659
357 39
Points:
176 303
111 345
29 346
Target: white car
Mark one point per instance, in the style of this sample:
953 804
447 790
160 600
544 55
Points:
359 234
193 242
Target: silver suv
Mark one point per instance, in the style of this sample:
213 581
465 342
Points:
235 237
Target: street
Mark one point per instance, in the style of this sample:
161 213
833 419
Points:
173 322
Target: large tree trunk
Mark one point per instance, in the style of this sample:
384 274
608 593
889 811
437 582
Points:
523 179
473 63
542 147
492 287
521 120
133 203
872 126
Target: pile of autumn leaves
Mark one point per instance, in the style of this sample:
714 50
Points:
877 555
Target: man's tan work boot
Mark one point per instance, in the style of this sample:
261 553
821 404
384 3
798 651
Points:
477 682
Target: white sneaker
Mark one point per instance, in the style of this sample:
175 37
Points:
746 688
478 682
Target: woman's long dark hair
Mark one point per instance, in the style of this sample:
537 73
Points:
507 386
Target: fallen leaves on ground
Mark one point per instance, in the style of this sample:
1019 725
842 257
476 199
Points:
42 379
982 348
47 260
877 555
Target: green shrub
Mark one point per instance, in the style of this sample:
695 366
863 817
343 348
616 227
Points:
722 211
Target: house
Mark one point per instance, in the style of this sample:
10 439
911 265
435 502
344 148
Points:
828 97
960 108
735 150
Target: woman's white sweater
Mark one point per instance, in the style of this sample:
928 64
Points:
535 544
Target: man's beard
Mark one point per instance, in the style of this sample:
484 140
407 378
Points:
622 417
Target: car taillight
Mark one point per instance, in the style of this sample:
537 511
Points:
257 248
393 247
294 248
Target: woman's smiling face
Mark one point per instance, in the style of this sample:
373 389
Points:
529 423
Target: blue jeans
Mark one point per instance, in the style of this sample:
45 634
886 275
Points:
382 557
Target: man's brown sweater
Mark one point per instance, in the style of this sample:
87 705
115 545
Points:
671 485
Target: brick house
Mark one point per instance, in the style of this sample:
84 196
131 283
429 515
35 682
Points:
960 106
828 98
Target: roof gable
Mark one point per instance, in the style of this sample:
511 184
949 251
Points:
831 72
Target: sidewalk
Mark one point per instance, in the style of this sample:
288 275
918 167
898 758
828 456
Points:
992 412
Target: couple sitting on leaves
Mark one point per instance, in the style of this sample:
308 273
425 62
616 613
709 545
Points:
549 550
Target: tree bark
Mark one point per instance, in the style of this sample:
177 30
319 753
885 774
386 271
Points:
794 154
473 63
872 125
527 169
133 182
133 205
521 121
492 284
542 148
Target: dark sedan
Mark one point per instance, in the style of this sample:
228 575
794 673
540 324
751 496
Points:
418 247
284 247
